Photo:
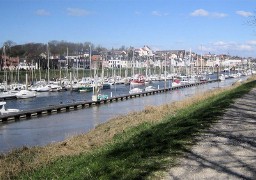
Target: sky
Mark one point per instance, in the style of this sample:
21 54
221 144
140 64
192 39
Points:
204 26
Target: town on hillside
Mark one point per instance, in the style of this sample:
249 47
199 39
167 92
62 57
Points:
116 58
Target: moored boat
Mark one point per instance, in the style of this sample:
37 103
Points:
106 86
3 110
102 96
135 90
24 94
222 77
138 80
176 82
85 89
8 94
54 87
150 88
43 88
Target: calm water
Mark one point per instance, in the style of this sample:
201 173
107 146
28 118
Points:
52 98
57 127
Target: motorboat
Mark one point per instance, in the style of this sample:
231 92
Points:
3 110
222 77
24 94
8 94
43 88
150 88
85 88
138 80
102 96
135 90
54 87
176 82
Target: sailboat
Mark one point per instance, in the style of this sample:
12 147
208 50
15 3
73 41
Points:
25 93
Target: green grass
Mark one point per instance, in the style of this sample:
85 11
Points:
148 148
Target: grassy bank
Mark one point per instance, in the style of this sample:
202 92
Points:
135 146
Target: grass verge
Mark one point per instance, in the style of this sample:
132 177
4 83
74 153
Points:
133 152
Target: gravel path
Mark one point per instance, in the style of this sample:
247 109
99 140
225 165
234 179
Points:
227 150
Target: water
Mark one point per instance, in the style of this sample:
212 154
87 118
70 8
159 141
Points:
44 99
57 127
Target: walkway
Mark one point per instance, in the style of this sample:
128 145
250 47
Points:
227 150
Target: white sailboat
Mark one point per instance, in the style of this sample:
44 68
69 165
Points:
42 88
24 94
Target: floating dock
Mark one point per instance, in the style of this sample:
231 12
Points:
53 109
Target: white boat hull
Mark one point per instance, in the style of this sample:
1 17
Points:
24 94
6 111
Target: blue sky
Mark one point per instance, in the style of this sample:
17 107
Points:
215 26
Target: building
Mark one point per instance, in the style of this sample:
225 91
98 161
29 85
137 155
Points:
144 51
10 62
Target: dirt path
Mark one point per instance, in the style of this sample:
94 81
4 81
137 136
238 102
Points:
227 150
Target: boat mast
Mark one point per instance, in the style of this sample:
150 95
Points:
90 55
201 60
95 88
133 63
40 76
190 59
5 72
26 80
102 70
147 67
67 64
48 64
165 60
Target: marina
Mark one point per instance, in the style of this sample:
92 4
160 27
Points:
127 90
78 105
43 129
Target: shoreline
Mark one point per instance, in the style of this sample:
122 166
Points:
102 134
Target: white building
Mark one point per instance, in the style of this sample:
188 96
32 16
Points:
145 51
232 63
25 66
118 63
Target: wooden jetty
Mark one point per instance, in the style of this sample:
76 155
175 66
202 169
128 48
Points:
53 109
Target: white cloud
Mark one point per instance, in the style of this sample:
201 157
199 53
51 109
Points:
232 47
222 44
206 48
252 42
244 47
137 13
200 12
156 13
244 13
77 12
42 12
219 15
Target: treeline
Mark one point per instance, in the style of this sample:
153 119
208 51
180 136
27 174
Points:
56 48
37 52
33 50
